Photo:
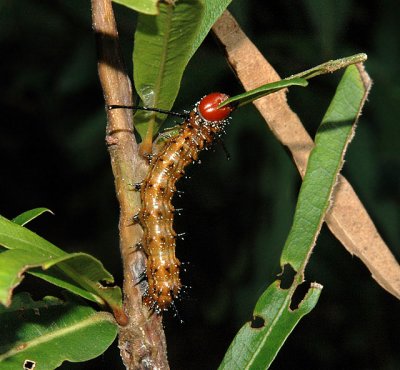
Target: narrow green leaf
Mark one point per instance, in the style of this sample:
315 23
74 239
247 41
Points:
163 47
161 52
78 272
256 347
48 332
251 95
141 6
257 343
27 216
324 164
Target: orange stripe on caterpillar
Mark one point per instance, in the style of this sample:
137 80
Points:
204 124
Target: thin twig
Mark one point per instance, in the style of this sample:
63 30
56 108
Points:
141 336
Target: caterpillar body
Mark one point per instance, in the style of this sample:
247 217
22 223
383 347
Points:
204 124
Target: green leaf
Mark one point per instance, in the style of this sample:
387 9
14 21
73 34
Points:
27 216
80 273
256 347
257 343
249 96
161 53
141 6
324 164
299 79
51 331
163 48
212 11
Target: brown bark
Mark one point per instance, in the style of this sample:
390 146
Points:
141 336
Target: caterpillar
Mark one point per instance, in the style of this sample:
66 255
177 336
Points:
204 124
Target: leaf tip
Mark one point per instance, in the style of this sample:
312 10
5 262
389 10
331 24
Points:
316 286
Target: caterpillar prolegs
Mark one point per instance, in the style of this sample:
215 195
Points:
204 124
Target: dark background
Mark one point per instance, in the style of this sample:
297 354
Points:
237 213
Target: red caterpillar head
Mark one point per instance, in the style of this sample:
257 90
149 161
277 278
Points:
208 107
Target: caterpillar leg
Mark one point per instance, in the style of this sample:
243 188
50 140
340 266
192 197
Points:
146 151
136 219
139 246
142 277
136 186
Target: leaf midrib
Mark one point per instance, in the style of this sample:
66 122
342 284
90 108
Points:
43 338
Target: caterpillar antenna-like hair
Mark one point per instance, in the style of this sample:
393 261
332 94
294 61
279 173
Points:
134 107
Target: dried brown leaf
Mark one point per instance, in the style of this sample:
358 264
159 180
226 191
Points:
347 219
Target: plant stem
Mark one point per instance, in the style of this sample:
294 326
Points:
141 336
331 66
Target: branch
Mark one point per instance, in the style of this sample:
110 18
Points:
347 219
141 336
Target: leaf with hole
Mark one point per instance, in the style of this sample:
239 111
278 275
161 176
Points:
43 334
324 164
256 346
257 342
